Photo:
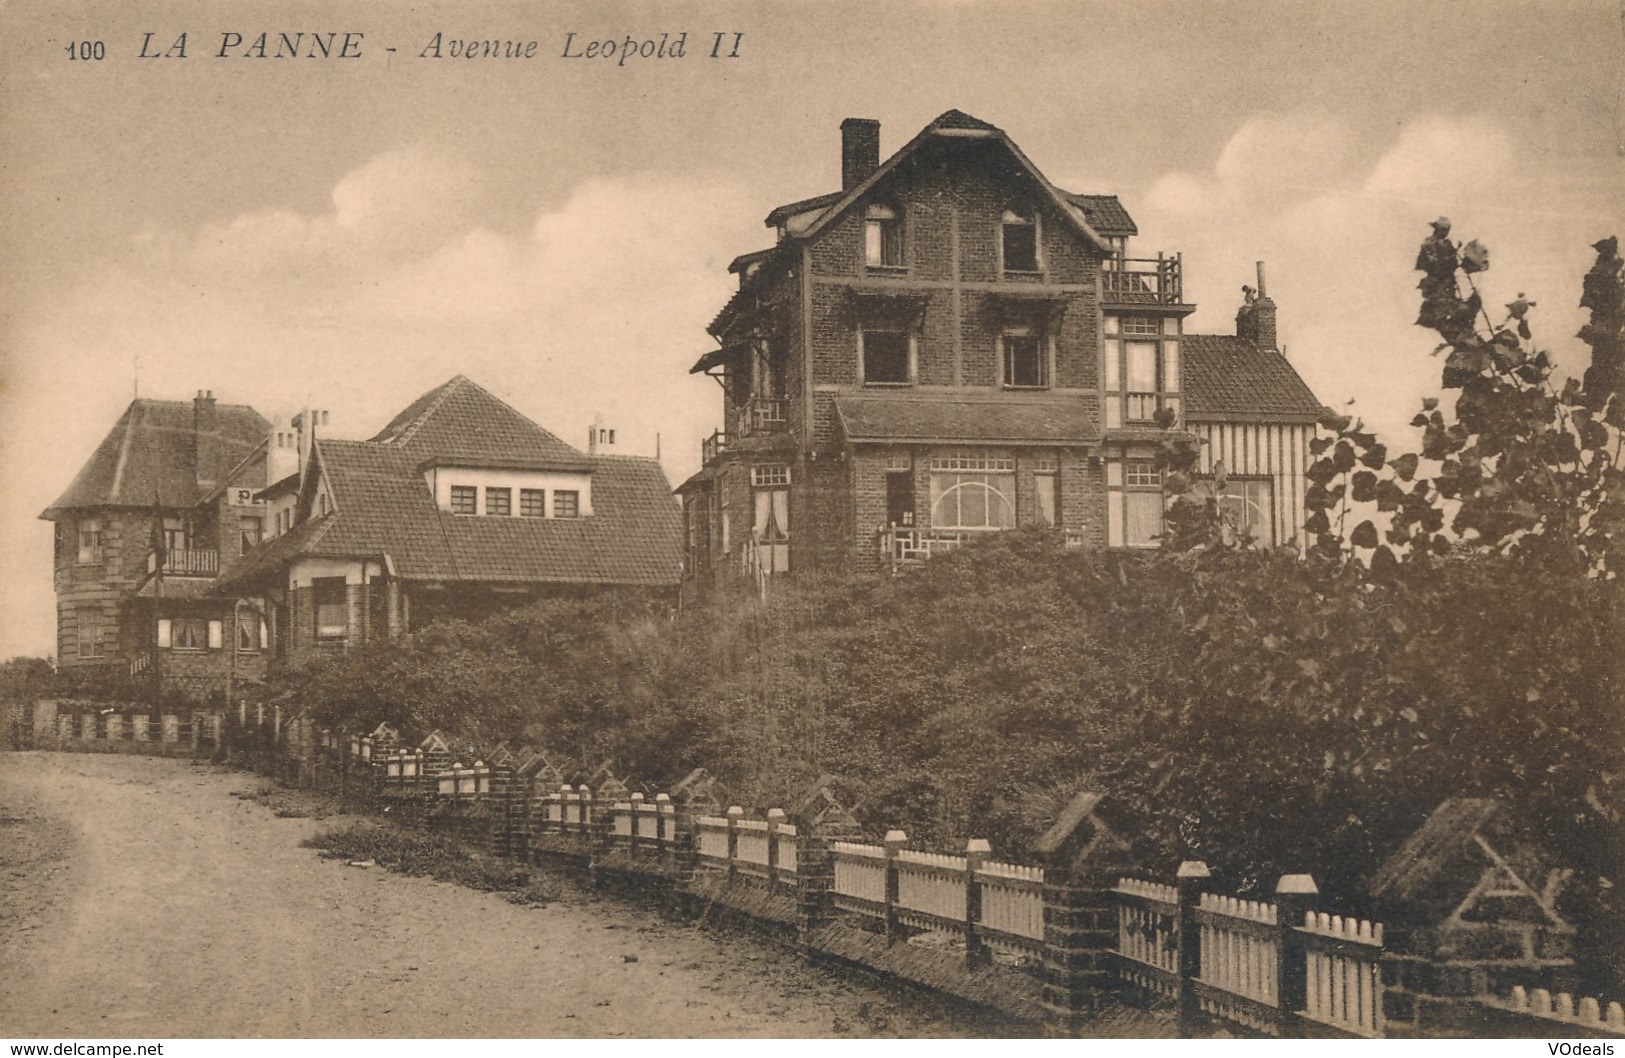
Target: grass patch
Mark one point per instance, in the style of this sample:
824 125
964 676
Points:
430 855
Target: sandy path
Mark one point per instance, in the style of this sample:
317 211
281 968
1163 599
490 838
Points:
140 899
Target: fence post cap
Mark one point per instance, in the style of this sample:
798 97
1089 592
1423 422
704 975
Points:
735 812
775 815
637 797
979 846
1192 869
896 837
565 788
1303 884
662 798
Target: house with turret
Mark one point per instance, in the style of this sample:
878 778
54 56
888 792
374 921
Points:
202 546
951 345
166 499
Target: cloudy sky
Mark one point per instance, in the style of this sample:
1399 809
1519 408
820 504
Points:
351 233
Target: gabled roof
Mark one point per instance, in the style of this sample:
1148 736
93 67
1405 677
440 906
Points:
1105 213
1231 379
462 424
880 418
383 506
149 457
955 124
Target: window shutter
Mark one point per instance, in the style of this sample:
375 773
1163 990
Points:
163 632
216 634
265 634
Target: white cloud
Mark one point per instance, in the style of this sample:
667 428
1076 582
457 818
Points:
1338 220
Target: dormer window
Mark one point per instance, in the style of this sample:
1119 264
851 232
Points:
883 237
1018 240
465 499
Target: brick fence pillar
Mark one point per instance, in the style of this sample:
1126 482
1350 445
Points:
815 888
1082 857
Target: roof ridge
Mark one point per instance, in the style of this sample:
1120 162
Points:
416 424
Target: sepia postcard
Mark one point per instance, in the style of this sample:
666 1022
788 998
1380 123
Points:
323 324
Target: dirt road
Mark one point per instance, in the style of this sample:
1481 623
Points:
139 898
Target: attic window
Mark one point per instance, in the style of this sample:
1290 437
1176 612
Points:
498 501
465 499
1019 241
566 503
883 237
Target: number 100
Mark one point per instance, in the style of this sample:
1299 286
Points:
87 50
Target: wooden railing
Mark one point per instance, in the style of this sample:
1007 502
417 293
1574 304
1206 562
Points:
186 563
1143 281
763 415
993 906
1247 963
1344 973
761 848
712 447
899 546
1240 961
1148 935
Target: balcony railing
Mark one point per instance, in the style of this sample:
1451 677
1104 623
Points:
1143 281
762 416
712 447
900 546
187 563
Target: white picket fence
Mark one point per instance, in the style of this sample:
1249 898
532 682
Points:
1344 972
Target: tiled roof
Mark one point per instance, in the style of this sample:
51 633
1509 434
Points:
958 119
1230 378
874 417
460 422
383 506
148 456
790 209
1104 213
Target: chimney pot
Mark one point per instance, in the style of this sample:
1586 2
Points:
860 151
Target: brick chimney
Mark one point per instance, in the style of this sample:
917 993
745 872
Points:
205 437
860 150
1255 320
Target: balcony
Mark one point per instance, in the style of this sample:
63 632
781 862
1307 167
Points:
1143 280
762 416
903 547
712 447
186 563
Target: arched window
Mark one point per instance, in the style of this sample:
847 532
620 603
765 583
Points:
973 492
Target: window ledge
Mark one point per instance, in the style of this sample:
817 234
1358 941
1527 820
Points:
1026 389
889 385
886 269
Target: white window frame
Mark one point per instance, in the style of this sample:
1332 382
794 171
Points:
982 472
